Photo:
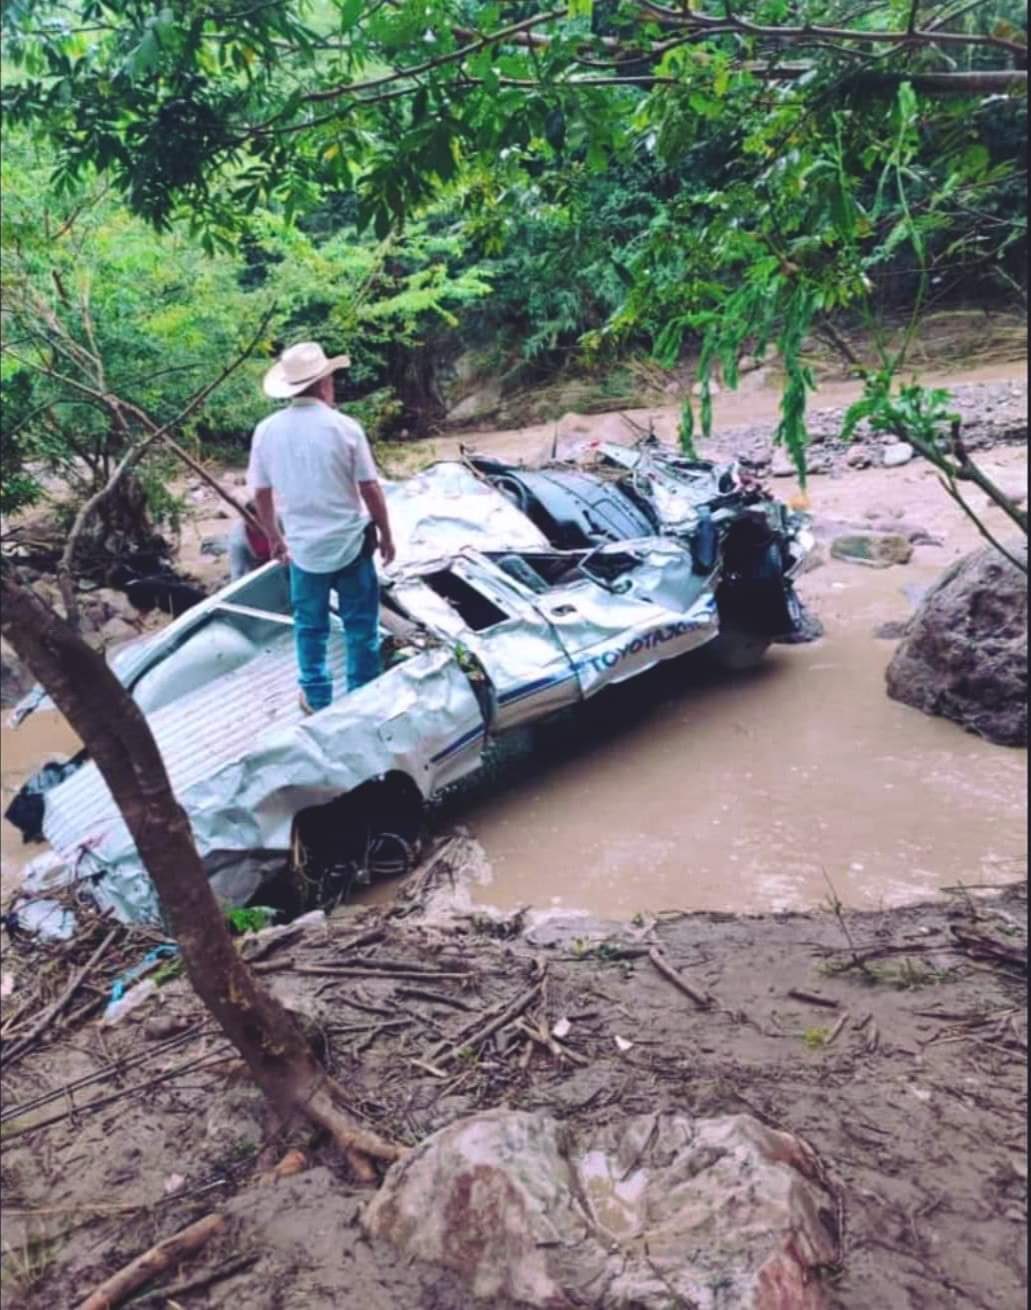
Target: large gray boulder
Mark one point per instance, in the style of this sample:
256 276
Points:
656 1211
964 655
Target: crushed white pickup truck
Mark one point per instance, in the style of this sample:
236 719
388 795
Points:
516 594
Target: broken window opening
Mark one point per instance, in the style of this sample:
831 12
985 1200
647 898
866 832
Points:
536 571
475 609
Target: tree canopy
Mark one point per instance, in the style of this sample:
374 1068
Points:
584 178
216 108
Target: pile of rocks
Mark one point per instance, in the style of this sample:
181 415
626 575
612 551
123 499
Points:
992 412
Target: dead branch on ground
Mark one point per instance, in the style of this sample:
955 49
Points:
162 1256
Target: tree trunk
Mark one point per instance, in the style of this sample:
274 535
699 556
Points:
411 371
118 737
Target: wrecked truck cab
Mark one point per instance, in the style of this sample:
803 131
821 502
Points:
572 508
749 544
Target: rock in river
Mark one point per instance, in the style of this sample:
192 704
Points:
878 549
656 1211
899 452
965 651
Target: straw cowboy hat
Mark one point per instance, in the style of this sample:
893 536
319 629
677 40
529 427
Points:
298 367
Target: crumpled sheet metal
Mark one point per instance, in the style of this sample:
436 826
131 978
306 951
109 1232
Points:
130 662
420 718
608 652
447 507
675 492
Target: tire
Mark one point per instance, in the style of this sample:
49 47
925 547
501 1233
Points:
370 833
736 651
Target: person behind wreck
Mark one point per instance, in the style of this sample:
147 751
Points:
248 548
313 465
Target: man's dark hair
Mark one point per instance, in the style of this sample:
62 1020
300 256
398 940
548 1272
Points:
313 388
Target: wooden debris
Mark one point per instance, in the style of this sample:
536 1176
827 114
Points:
377 1030
835 1032
427 1067
226 1269
156 1260
104 1074
982 947
294 1162
702 999
437 998
513 1011
541 1037
207 1061
417 884
51 1012
813 998
365 971
363 939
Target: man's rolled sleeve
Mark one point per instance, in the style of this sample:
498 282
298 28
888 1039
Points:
364 465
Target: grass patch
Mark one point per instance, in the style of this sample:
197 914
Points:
25 1264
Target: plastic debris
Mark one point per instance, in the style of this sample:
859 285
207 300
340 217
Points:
118 987
124 996
132 1000
45 918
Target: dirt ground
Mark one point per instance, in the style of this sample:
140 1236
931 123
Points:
900 1057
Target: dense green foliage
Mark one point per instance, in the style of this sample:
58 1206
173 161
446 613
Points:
410 180
162 315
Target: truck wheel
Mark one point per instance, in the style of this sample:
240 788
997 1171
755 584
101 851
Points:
735 650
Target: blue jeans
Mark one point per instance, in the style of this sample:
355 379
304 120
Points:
357 589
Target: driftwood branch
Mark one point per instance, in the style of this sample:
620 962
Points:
156 1260
702 999
510 1013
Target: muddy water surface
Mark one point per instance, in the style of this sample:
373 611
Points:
43 736
759 792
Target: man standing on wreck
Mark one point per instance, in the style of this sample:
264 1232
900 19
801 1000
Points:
312 466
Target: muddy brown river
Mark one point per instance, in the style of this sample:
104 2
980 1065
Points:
754 792
760 792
